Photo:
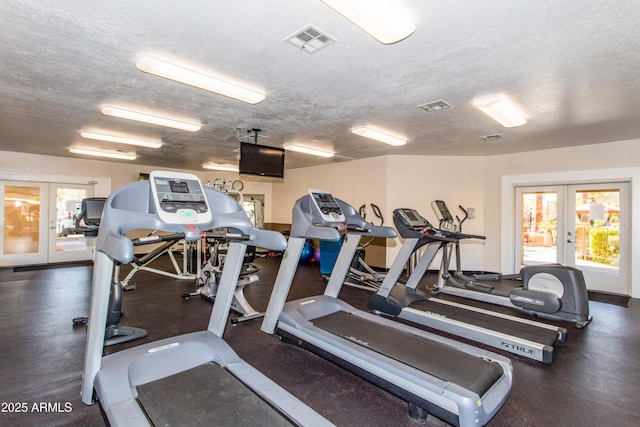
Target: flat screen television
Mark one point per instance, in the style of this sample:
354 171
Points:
261 160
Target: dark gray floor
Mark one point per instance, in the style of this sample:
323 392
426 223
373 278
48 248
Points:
593 381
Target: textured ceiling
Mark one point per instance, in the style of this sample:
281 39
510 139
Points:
573 66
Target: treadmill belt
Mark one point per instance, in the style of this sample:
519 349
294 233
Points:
205 395
439 360
494 323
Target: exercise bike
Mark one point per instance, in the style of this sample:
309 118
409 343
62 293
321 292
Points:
551 291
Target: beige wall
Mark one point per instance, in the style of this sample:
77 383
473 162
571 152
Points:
357 182
416 181
392 182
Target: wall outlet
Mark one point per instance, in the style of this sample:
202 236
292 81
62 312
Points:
472 213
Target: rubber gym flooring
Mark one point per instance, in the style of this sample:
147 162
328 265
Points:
594 379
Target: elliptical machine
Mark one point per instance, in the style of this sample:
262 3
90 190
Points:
208 281
551 291
88 223
360 274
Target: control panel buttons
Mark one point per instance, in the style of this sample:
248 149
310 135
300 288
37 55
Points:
187 215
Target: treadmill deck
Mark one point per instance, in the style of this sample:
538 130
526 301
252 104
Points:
205 395
439 360
498 324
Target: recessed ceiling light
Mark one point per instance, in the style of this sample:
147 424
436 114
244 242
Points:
120 139
307 150
148 117
380 18
378 135
501 109
99 153
216 166
197 79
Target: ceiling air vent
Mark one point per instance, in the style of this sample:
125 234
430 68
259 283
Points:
310 39
435 106
493 137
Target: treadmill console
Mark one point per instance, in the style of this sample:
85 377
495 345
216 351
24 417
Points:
326 205
413 219
179 198
445 215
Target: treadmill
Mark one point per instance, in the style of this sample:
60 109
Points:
459 383
193 379
523 337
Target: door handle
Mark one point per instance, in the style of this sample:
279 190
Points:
570 241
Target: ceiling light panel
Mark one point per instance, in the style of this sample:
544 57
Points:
148 117
99 153
378 135
218 167
501 109
307 150
198 79
382 19
122 139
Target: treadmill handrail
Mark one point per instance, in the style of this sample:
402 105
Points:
131 207
425 235
460 236
308 223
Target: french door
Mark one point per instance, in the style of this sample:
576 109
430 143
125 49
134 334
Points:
579 225
39 223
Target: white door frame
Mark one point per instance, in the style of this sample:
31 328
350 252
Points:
509 182
597 276
101 186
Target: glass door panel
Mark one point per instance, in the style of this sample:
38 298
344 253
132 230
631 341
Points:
597 235
538 210
584 226
253 206
23 239
65 244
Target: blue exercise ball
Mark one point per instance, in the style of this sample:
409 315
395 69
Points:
307 252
